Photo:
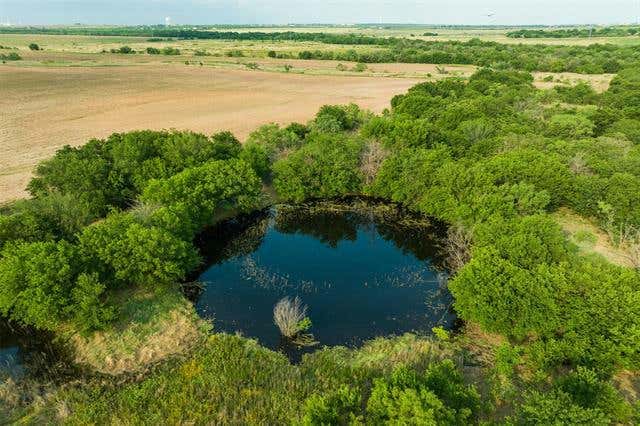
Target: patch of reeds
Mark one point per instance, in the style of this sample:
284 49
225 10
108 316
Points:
288 315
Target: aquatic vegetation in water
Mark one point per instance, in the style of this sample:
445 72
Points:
290 316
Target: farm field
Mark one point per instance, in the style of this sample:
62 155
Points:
60 107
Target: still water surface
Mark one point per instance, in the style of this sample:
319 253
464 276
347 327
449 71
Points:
363 270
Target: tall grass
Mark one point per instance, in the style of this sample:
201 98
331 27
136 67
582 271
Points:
288 315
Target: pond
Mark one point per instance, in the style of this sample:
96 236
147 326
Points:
363 269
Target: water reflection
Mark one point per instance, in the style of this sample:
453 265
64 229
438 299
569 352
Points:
364 270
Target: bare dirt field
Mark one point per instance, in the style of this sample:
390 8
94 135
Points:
45 108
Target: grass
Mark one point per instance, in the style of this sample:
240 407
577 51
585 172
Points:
288 315
589 238
154 326
229 380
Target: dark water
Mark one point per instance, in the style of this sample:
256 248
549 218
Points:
25 351
363 270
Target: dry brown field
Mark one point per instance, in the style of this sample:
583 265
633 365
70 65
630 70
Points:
45 108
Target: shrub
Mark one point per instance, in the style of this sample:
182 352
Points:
290 316
13 56
34 46
208 189
327 166
124 251
172 51
569 126
338 407
123 50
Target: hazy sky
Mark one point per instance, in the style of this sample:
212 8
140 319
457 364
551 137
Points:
325 11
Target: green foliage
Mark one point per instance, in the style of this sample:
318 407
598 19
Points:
34 46
557 408
628 127
170 51
208 189
336 118
111 173
439 396
267 144
326 166
569 126
41 285
127 252
580 397
51 217
581 93
123 50
225 146
12 56
90 311
334 408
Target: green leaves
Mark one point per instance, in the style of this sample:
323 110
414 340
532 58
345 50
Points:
40 286
327 166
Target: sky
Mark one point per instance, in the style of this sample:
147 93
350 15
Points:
467 12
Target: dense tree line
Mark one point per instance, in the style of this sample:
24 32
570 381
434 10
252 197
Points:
592 59
575 32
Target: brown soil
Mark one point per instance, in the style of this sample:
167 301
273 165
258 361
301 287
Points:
46 108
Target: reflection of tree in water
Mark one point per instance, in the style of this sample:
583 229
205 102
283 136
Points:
332 222
239 236
440 300
261 276
328 223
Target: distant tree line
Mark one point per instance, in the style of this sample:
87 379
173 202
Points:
575 32
592 59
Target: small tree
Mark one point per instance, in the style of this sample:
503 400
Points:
34 46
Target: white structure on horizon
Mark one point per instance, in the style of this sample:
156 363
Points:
167 21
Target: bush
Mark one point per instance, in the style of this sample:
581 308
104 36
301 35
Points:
327 166
569 126
438 397
125 252
34 46
337 407
13 56
123 50
170 51
41 285
208 189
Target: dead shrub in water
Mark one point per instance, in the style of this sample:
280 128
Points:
290 316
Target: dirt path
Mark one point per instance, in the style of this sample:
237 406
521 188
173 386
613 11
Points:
46 108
